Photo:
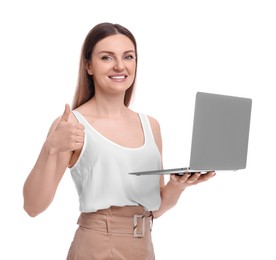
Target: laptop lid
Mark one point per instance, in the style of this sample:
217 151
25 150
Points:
220 134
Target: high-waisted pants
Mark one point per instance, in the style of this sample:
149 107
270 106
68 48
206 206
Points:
116 233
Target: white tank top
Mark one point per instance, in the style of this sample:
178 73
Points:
101 174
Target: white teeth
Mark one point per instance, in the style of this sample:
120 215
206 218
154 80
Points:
118 77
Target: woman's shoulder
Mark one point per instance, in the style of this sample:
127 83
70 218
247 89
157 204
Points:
155 127
153 121
154 124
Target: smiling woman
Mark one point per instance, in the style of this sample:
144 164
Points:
85 88
101 141
112 61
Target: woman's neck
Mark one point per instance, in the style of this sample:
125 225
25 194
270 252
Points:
108 107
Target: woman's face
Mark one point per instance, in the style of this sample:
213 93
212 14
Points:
113 64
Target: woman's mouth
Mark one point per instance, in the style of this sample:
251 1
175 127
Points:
118 77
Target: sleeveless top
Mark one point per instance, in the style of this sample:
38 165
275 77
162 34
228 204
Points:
101 173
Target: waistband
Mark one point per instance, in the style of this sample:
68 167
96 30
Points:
133 220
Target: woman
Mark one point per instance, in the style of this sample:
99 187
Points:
101 140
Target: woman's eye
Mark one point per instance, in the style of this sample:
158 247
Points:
129 57
107 58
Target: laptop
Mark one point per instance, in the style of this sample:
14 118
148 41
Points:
220 135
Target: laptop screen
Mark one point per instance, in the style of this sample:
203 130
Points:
220 132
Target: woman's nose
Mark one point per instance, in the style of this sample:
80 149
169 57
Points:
119 65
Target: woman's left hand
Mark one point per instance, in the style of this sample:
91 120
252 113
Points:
189 179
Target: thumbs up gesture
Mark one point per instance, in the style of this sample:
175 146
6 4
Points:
66 114
68 135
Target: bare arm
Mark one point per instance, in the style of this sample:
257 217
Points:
40 186
172 190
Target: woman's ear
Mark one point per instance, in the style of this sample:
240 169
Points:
88 68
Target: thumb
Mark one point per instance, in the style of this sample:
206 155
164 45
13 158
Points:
66 113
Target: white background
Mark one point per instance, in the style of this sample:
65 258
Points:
226 47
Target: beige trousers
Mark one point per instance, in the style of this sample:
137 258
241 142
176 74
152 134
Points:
117 233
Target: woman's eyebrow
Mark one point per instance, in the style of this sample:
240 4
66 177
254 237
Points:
111 52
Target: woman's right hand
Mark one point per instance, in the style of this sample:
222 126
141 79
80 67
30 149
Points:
67 136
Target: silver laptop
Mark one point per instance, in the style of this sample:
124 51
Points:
220 135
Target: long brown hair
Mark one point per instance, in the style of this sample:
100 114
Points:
85 89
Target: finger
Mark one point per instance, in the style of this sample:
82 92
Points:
173 177
79 133
80 139
206 176
185 177
78 146
80 126
194 177
66 113
211 174
182 178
